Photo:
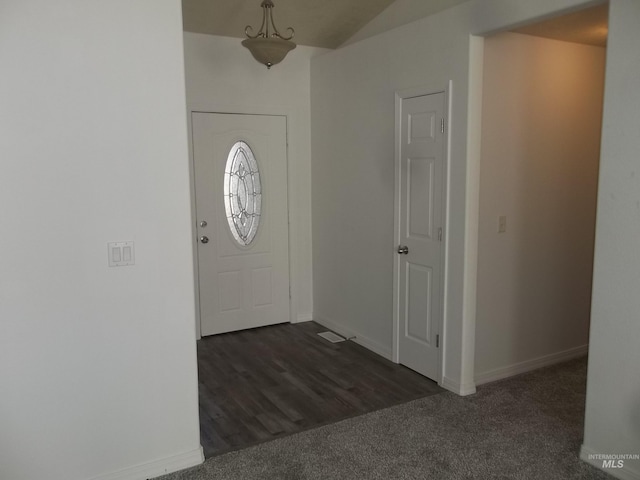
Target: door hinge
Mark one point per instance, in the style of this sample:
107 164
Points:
437 341
440 234
289 292
442 125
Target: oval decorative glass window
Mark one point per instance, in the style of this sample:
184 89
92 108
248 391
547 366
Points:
242 193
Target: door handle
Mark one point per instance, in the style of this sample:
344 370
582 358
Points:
403 250
204 239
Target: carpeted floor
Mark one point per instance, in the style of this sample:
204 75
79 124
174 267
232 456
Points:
526 427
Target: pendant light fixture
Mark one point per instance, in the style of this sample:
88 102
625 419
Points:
268 46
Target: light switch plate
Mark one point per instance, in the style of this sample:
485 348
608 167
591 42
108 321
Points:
120 254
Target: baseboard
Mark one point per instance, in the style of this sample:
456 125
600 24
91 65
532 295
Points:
462 389
157 467
354 336
303 317
623 473
528 365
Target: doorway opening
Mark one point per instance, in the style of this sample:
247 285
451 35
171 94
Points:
542 95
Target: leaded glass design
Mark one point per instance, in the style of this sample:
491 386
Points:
242 193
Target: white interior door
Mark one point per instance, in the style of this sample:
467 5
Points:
420 196
240 168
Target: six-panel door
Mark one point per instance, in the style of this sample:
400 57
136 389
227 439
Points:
422 157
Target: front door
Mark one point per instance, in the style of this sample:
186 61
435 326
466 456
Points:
240 169
420 194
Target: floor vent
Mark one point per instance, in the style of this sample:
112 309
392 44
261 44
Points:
332 337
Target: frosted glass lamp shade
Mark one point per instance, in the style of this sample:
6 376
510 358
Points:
269 51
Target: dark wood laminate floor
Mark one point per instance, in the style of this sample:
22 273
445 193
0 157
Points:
260 384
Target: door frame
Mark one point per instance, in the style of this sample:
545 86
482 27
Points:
225 110
401 95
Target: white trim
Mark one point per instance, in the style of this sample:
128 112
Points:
303 317
447 236
472 214
157 467
395 350
458 388
533 364
624 473
194 228
354 336
441 328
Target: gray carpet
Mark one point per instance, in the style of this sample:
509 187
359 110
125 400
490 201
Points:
526 427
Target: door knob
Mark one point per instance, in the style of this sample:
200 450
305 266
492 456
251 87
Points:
204 239
203 223
403 250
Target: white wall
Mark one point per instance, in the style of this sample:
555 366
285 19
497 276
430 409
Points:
542 117
97 364
352 98
352 146
222 75
612 423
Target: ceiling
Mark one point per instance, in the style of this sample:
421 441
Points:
325 23
588 26
329 23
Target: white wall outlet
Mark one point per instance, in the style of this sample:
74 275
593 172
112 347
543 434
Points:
502 223
121 254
